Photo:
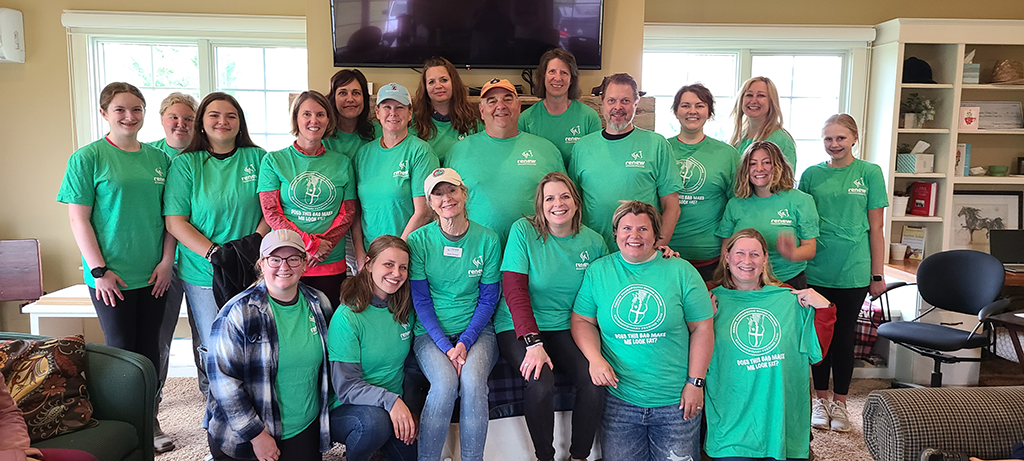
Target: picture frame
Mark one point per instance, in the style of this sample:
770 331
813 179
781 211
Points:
975 212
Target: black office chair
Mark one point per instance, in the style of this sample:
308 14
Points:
962 281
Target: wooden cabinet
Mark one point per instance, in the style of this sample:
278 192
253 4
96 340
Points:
942 43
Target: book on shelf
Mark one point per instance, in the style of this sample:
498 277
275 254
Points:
914 238
923 197
963 160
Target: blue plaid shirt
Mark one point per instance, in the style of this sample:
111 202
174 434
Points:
242 366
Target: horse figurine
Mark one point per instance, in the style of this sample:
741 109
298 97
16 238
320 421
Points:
975 221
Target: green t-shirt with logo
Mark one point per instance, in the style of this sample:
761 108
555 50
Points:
162 145
300 355
125 190
781 139
220 200
563 130
641 311
312 189
707 170
502 176
555 269
454 271
446 137
756 394
386 182
638 167
792 210
843 196
374 340
349 143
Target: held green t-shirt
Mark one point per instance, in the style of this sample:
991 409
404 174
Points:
162 145
502 176
220 200
125 190
637 167
446 137
707 170
563 130
781 139
641 311
312 189
349 143
555 268
757 403
300 355
386 182
374 340
790 210
843 196
454 271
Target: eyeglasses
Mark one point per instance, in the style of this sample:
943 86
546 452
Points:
293 261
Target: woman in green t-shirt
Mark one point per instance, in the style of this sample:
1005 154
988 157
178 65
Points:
559 117
542 269
707 167
211 200
367 345
442 113
851 197
764 339
350 93
766 201
268 364
758 117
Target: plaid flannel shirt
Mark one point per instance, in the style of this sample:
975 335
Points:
242 367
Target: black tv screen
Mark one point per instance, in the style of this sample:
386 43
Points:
506 34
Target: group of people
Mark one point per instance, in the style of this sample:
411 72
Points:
671 281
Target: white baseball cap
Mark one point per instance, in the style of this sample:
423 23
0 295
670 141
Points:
440 175
280 238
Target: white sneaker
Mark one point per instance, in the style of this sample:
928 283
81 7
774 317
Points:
819 414
840 418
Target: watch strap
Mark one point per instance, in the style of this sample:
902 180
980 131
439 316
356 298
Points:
697 382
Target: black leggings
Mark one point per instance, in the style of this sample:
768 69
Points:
133 324
588 408
839 361
305 446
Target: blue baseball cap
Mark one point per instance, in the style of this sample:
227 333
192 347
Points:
393 91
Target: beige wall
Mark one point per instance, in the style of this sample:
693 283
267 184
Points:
623 40
35 128
855 12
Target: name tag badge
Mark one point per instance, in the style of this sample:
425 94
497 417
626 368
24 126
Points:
454 252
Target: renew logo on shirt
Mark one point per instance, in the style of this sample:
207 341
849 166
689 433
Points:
402 171
527 159
584 261
638 160
784 218
859 188
160 176
575 135
250 173
477 271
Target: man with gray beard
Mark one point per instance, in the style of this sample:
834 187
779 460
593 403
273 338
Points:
623 163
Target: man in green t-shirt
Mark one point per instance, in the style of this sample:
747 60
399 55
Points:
501 166
624 163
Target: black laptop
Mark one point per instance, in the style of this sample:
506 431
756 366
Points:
1007 246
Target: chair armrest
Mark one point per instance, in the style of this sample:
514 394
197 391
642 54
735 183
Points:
994 308
122 386
891 286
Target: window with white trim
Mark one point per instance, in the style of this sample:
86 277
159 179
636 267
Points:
260 61
819 71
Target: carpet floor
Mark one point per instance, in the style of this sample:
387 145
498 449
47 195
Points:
182 411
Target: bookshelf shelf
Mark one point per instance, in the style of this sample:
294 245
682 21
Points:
915 218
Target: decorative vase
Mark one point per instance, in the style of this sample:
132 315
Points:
913 120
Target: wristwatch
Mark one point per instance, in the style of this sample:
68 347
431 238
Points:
877 278
532 339
98 272
697 382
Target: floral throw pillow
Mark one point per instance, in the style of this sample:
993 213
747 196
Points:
47 380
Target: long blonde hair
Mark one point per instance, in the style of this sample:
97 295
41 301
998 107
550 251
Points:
773 119
357 291
722 275
782 172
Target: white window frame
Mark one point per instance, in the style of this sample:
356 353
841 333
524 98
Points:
852 42
84 28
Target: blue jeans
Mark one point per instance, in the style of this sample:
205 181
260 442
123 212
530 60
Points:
204 309
446 386
633 433
365 429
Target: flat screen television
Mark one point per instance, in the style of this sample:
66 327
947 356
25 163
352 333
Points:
506 34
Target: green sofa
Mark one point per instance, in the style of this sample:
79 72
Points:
122 388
